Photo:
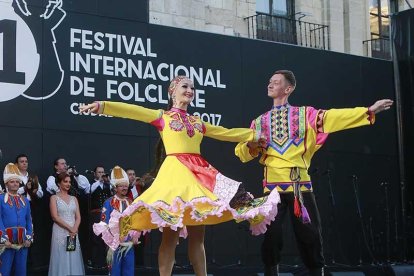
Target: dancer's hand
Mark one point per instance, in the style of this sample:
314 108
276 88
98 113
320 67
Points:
381 105
261 143
93 107
26 243
8 244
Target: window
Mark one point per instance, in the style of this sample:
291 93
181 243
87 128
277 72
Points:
275 20
280 7
263 6
379 20
380 29
276 7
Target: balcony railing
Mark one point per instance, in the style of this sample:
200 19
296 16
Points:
377 48
288 30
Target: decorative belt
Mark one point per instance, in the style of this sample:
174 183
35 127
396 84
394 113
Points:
21 235
299 206
183 154
287 187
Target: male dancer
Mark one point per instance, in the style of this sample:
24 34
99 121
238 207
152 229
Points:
16 232
292 135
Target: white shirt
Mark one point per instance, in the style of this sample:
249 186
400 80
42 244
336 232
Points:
96 184
134 192
20 191
83 184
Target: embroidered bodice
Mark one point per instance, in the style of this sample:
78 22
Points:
180 132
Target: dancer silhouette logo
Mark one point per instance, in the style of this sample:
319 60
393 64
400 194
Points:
19 49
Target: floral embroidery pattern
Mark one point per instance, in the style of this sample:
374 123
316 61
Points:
180 121
198 127
188 125
176 125
192 119
255 203
167 216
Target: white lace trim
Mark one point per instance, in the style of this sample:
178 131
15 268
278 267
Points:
225 187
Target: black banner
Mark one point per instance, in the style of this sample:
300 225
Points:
57 55
403 37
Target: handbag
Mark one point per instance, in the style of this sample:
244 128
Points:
71 243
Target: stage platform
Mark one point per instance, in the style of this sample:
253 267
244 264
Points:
285 270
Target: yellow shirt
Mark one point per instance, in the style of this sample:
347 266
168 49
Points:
293 136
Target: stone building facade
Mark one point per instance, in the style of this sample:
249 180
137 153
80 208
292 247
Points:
350 23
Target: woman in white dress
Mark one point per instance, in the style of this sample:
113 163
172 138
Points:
65 214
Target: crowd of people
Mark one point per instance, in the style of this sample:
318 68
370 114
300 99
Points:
75 203
184 193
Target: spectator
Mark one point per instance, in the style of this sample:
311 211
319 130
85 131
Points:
66 254
32 189
100 191
80 184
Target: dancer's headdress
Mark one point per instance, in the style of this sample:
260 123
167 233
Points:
119 176
11 172
175 82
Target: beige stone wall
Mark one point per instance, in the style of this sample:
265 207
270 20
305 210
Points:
348 20
402 5
356 20
216 16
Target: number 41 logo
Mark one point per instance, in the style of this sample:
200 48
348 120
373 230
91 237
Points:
19 58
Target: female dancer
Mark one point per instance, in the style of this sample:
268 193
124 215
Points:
187 193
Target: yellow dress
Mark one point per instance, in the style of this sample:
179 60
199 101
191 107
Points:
187 189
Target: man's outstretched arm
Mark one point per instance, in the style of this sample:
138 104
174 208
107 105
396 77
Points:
333 120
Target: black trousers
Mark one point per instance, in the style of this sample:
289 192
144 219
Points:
97 249
139 252
308 236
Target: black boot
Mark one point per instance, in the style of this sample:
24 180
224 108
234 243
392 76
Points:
316 271
271 270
